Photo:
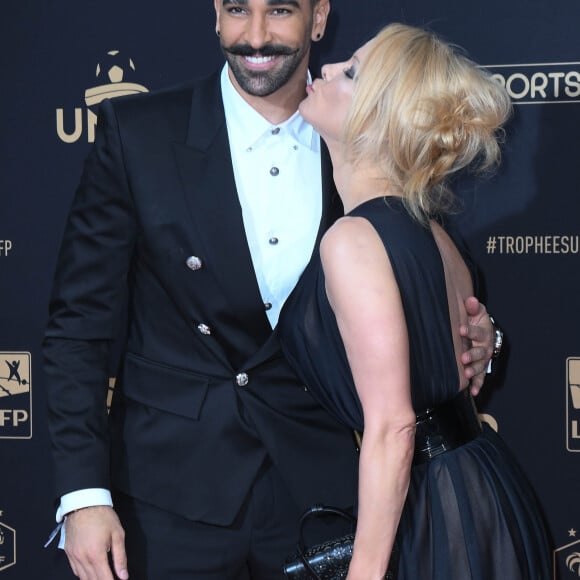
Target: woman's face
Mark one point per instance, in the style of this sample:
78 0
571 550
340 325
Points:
329 98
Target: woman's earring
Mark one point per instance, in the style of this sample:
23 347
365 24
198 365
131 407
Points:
218 32
318 36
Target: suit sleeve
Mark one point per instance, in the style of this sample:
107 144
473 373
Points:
87 300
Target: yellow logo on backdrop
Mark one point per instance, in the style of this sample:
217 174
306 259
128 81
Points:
15 395
566 559
112 74
7 545
540 83
573 405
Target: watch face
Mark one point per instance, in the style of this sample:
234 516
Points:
497 343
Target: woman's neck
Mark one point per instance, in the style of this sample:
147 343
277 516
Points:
357 183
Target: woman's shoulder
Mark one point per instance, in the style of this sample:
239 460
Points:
353 248
349 235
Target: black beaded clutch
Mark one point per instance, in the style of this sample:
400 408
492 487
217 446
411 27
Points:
329 560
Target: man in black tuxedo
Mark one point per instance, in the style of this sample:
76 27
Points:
198 209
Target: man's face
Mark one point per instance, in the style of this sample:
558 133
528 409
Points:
267 42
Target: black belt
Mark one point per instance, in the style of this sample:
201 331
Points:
447 426
444 427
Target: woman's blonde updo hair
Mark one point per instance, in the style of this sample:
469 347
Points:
422 111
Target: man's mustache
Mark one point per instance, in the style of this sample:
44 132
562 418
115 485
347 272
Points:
266 50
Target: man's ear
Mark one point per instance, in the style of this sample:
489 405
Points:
217 5
321 12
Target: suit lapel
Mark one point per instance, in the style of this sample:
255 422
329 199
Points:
205 167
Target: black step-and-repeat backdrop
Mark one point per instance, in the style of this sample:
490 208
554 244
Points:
60 58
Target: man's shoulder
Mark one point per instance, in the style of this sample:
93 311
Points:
173 99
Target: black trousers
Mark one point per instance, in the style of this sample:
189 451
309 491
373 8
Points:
165 546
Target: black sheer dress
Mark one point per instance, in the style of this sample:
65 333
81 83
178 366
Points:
470 513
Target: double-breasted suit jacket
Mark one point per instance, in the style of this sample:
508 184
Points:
155 248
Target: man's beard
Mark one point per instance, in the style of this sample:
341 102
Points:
263 83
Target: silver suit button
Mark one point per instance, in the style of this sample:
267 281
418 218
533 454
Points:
194 263
204 328
274 171
242 379
267 306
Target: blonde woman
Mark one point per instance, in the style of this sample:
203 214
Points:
372 327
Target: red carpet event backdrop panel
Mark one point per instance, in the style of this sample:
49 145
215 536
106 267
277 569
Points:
60 59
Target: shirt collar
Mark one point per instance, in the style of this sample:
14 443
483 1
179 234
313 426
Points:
246 126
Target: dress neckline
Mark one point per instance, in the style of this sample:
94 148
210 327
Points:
373 200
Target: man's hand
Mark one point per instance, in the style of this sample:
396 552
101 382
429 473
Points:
91 533
480 332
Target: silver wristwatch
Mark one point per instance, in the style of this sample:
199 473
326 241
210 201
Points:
497 338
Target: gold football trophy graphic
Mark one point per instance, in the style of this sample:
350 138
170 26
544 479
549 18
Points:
114 73
113 70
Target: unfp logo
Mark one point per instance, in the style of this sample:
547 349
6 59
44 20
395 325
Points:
573 405
536 84
567 559
113 74
15 396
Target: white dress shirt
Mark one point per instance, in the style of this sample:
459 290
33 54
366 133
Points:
277 173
